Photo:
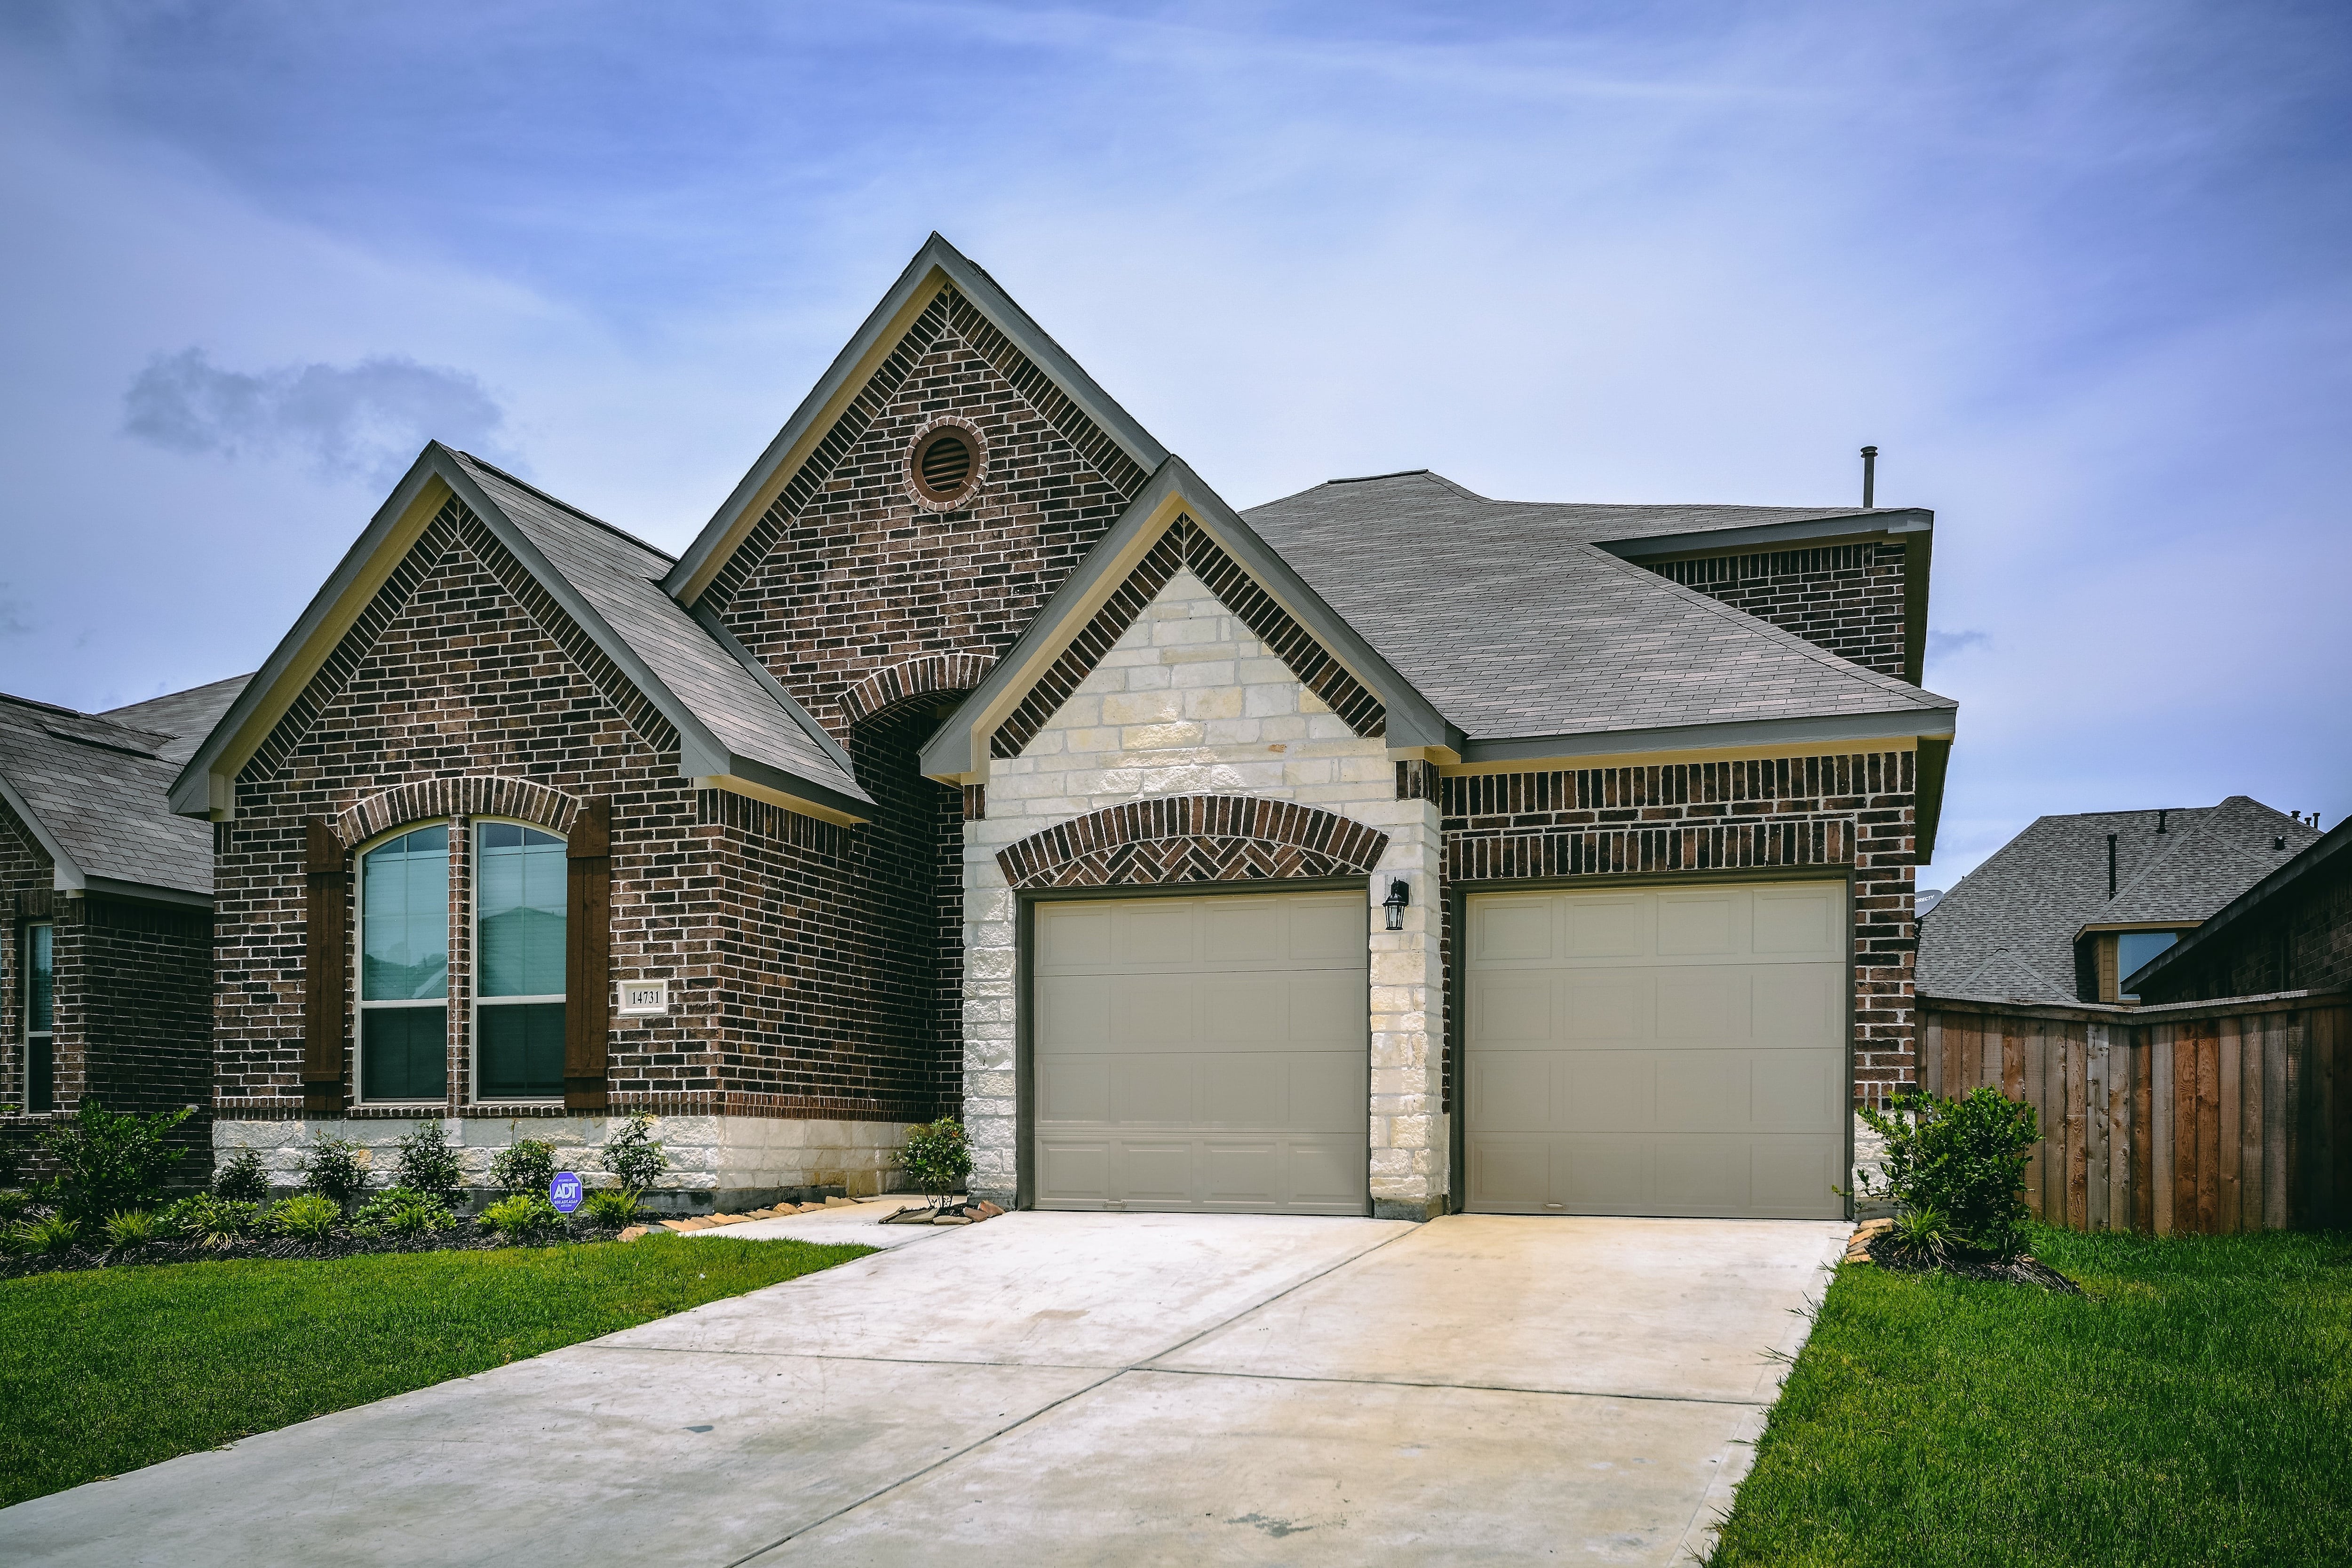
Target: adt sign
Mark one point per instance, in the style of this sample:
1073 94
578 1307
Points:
566 1190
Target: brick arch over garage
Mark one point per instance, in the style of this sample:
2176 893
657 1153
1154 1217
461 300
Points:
916 678
1192 838
478 795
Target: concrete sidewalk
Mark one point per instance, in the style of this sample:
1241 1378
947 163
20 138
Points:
1059 1389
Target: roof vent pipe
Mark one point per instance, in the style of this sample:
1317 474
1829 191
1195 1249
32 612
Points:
2111 865
2160 821
1869 477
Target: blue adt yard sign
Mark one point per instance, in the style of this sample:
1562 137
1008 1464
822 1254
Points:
565 1192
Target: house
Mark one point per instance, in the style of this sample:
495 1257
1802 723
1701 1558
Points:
1383 849
2290 932
106 976
2073 906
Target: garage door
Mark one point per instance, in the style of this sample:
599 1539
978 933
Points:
1660 1051
1203 1054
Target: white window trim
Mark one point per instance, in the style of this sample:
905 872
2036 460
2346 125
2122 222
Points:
27 1034
475 1000
359 1003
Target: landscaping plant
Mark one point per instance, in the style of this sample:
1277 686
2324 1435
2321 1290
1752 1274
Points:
936 1157
307 1216
1955 1170
111 1160
403 1211
525 1165
127 1229
212 1221
614 1207
14 1202
50 1234
242 1178
427 1165
634 1155
526 1216
334 1170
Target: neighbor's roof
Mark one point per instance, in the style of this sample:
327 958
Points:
2328 852
92 789
1514 622
2007 932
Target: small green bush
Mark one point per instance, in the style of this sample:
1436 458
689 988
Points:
241 1179
212 1221
614 1207
335 1170
403 1211
526 1216
109 1161
427 1165
1960 1163
307 1216
14 1202
634 1155
526 1165
46 1236
127 1229
936 1157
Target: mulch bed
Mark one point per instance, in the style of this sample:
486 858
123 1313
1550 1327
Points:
2023 1270
463 1236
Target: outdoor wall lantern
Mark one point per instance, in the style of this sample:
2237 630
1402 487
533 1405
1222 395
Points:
1400 895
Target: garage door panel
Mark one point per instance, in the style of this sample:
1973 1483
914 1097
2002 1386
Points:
1073 1170
1332 931
1329 1094
1594 1091
1154 1009
1242 927
1700 1005
1327 1173
1796 1092
1244 1009
1803 921
1073 1011
1074 933
1074 1089
1516 1005
1603 1174
1510 1174
1148 933
1796 1002
1506 931
1160 1089
1510 1092
1242 1173
1605 1006
1701 1091
1702 1176
1602 928
1700 924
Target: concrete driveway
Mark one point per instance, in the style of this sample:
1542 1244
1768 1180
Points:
1047 1389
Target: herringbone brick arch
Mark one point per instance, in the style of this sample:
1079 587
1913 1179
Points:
470 795
1192 838
916 678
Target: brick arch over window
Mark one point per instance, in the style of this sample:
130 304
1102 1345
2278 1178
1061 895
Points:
916 678
1192 838
473 795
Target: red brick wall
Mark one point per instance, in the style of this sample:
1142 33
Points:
2302 942
1855 811
27 878
1848 598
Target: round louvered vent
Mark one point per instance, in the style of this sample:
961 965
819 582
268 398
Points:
944 464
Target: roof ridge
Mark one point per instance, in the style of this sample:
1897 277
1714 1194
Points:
520 483
45 707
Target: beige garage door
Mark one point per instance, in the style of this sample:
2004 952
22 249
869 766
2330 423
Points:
1202 1054
1659 1051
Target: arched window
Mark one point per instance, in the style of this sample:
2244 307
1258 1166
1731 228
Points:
519 885
405 967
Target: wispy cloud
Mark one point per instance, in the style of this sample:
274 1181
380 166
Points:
1944 645
12 615
363 421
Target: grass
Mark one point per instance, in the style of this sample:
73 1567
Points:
2195 1407
107 1370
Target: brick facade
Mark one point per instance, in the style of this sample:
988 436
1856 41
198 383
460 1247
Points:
1847 598
2300 941
1192 838
1855 811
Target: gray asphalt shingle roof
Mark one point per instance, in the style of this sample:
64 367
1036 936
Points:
1512 621
2007 932
185 716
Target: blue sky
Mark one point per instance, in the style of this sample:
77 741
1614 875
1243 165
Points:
2080 271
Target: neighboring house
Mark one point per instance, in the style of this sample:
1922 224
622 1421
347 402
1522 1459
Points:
1383 849
2071 907
107 975
2290 932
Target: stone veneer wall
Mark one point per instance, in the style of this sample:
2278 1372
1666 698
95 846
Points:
1188 701
1847 598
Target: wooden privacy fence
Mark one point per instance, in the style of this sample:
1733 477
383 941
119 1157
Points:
2202 1117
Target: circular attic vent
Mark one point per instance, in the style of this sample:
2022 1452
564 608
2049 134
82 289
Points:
944 464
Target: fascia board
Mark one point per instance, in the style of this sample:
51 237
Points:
841 806
1901 525
202 787
759 672
884 325
2324 852
146 892
65 871
1902 724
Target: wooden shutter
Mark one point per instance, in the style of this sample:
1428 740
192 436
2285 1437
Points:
326 968
587 956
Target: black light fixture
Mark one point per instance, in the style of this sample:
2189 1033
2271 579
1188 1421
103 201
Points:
1400 895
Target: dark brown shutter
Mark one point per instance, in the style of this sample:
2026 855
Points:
326 967
587 956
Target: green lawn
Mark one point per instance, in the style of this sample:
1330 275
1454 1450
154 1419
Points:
111 1368
2194 1407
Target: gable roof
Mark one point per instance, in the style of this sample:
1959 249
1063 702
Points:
93 790
1576 651
937 265
2046 887
734 722
2330 851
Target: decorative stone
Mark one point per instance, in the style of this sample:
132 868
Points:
833 1203
950 1219
633 1232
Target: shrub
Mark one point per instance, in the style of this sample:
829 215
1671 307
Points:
403 1211
130 1228
14 1202
307 1216
428 1165
212 1221
937 1158
634 1155
614 1207
50 1234
109 1161
335 1170
1959 1163
526 1216
241 1179
525 1165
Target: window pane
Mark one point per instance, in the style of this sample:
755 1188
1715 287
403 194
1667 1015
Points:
518 901
40 1075
403 1053
404 918
521 1045
2133 948
41 977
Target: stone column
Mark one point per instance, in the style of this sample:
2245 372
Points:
1410 1144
